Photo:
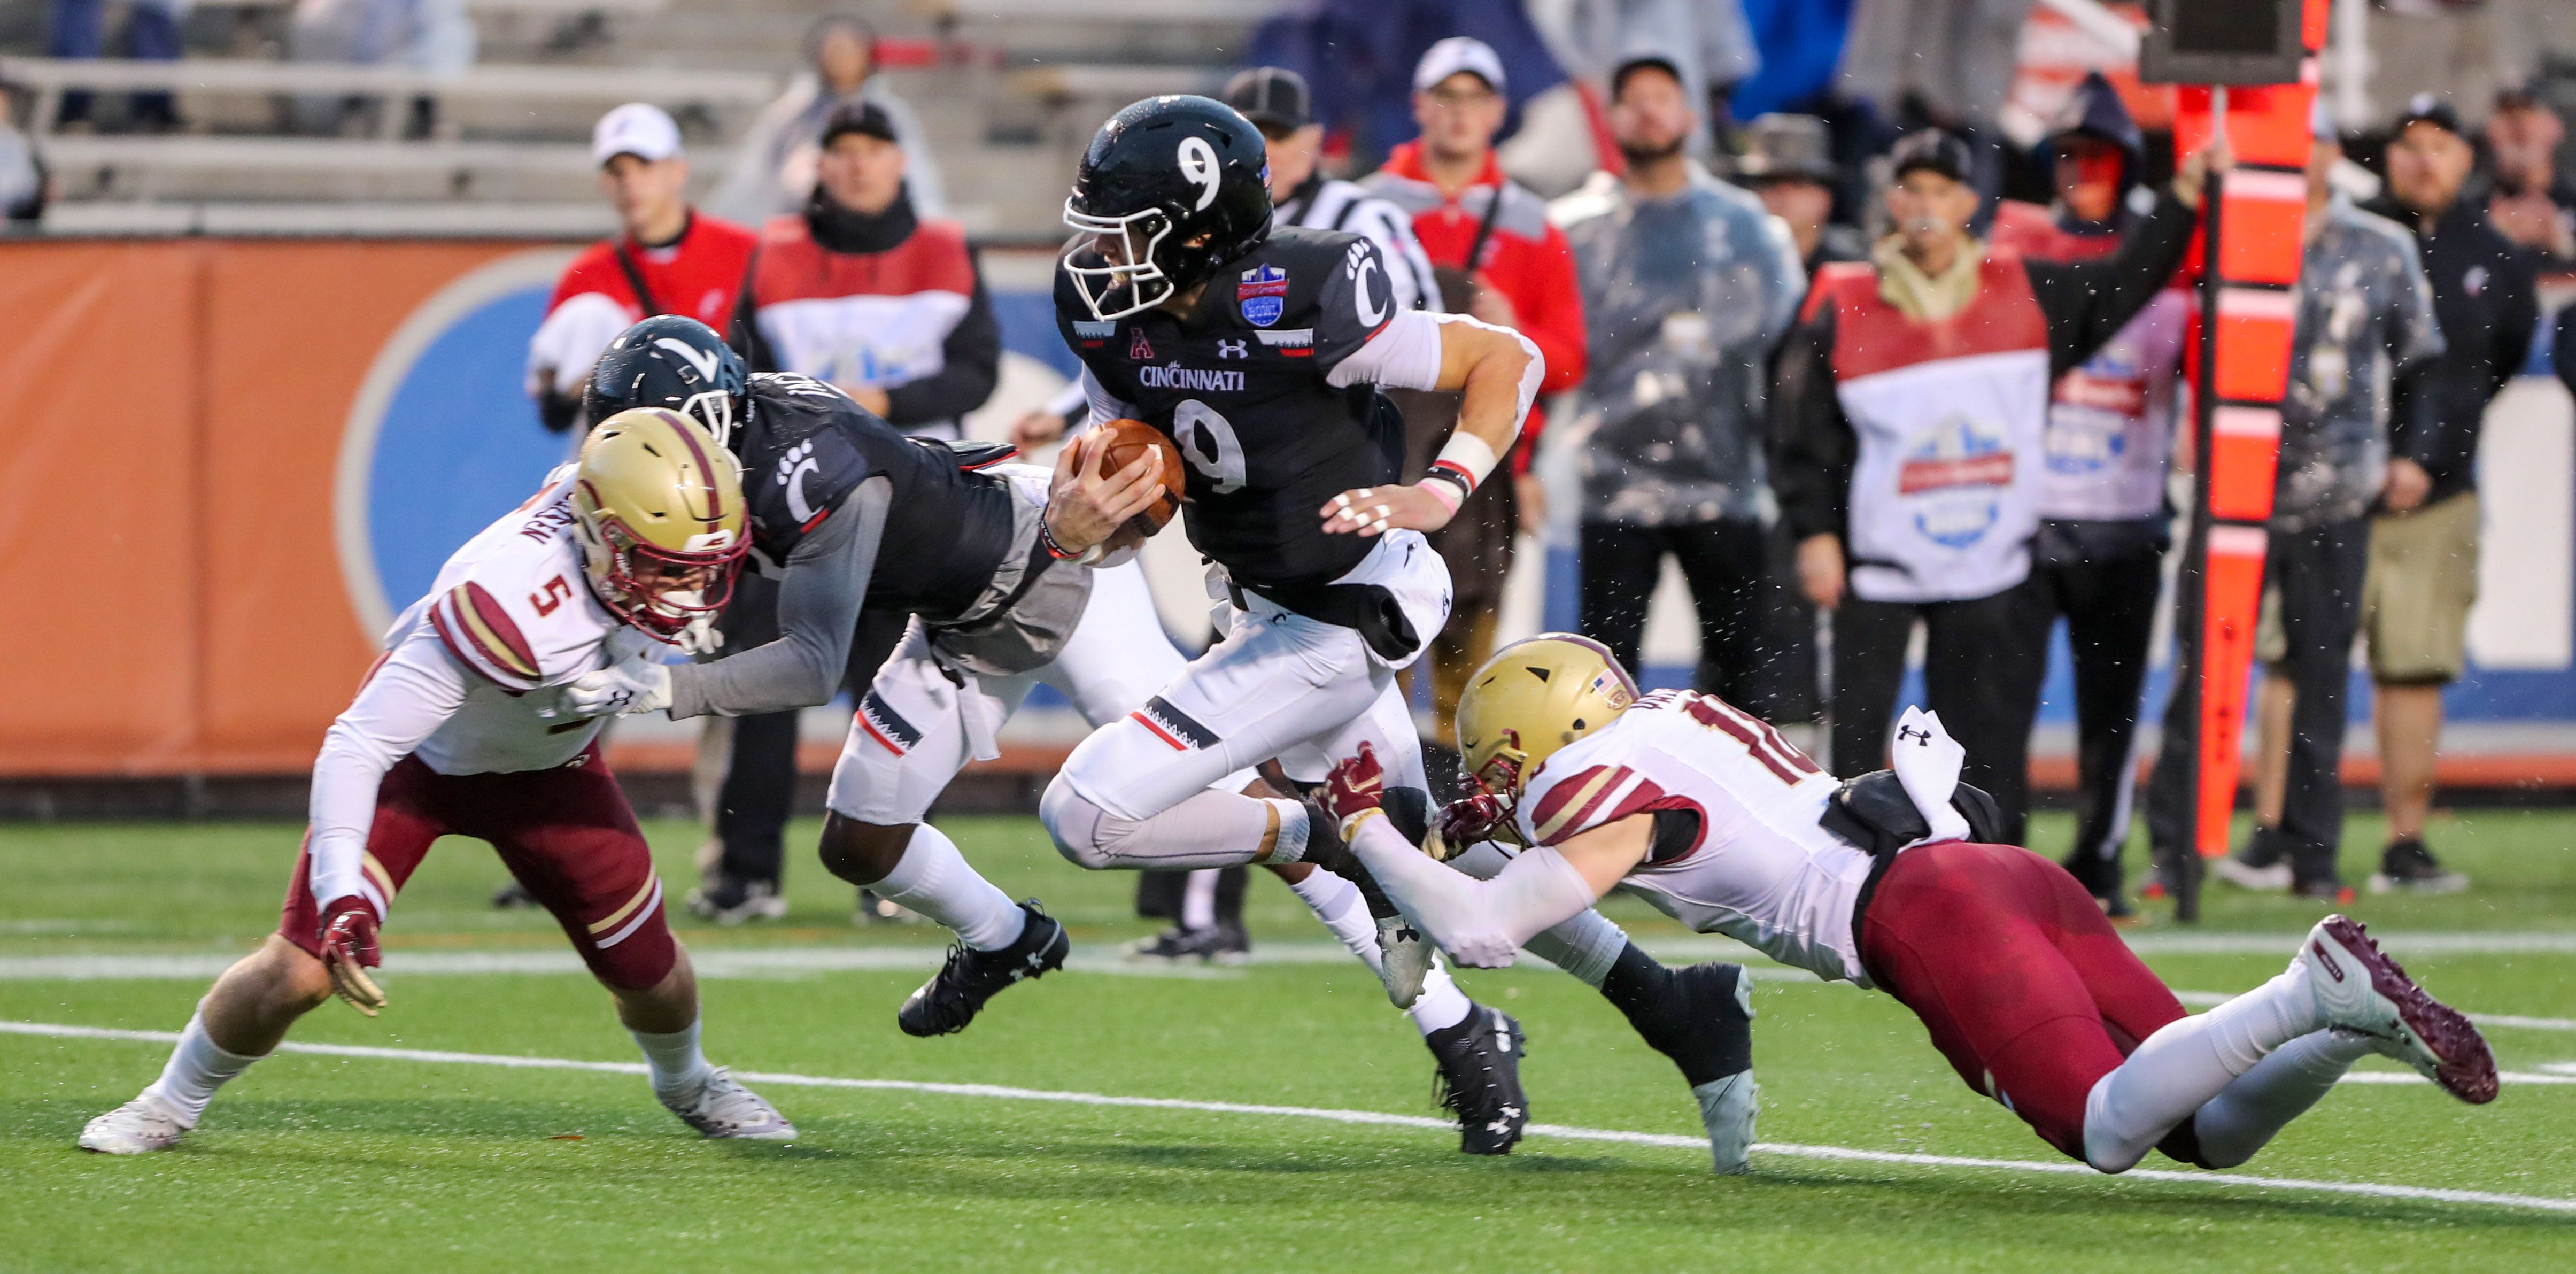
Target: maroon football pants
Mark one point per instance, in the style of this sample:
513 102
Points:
2023 984
565 833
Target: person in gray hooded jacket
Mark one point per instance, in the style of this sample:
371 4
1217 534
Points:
1687 284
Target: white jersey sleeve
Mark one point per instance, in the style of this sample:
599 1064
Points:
408 696
1756 865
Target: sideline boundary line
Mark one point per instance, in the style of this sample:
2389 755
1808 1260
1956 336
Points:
2429 1194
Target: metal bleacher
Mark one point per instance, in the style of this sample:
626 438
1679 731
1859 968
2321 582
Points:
1008 91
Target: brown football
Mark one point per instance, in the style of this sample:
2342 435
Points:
1129 439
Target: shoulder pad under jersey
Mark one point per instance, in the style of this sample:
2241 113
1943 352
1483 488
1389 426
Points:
519 611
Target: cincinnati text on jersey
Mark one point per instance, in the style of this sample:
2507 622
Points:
1176 376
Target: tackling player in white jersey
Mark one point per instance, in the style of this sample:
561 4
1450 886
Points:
453 733
2014 971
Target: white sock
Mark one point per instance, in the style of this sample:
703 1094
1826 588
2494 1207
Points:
1198 899
2177 1070
1442 1005
678 1066
933 879
1337 902
197 1067
2250 1112
1585 946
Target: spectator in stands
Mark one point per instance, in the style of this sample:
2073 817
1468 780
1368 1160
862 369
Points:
667 258
151 34
2532 203
1706 42
1496 257
427 35
2365 324
1687 285
860 291
1908 415
23 180
774 171
2099 558
1788 161
1950 61
2424 545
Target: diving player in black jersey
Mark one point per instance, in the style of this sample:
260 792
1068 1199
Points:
1260 352
851 514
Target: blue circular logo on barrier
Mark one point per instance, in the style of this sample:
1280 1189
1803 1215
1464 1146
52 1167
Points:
442 438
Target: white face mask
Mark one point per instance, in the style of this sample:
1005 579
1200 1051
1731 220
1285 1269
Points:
1144 282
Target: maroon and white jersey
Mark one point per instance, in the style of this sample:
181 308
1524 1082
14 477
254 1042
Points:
515 607
468 675
1760 868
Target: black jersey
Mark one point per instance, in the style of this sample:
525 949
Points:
805 446
1239 385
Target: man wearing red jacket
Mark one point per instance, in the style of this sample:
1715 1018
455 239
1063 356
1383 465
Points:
667 258
1497 258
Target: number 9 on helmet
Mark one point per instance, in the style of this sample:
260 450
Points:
1530 700
658 509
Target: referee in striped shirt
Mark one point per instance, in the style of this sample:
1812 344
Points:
1276 102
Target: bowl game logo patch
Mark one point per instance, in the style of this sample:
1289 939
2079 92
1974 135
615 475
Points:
1263 294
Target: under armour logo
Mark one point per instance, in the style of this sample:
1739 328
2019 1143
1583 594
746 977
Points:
1909 734
1234 349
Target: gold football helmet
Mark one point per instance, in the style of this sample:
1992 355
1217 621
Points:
658 508
1530 700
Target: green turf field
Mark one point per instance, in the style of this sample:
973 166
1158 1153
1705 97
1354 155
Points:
375 1162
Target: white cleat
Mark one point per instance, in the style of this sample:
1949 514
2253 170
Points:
1404 960
1727 1108
140 1126
724 1108
2358 988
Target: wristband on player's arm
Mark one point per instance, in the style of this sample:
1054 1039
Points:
1460 468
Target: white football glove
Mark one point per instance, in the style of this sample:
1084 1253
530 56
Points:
627 686
1927 761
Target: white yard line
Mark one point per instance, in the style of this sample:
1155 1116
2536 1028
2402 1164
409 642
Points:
2368 1189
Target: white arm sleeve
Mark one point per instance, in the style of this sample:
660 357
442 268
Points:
1405 354
1104 407
1478 922
412 693
1069 398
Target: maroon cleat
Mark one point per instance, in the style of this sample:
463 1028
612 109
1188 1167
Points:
2402 1021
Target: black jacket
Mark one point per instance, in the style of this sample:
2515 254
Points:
2486 299
1813 447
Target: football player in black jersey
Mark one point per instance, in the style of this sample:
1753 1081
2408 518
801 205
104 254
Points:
851 514
1260 351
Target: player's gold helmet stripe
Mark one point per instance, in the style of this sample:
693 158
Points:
1530 700
661 519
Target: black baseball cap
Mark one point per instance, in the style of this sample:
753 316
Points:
864 118
2425 108
1273 98
1933 150
1635 62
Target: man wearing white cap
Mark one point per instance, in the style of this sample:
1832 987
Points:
668 258
1495 257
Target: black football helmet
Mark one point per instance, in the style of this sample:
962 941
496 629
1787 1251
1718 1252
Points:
1171 188
670 361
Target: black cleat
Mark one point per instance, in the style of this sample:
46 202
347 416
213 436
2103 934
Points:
948 1002
1479 1079
513 897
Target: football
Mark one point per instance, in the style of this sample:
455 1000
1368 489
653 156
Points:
1131 438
